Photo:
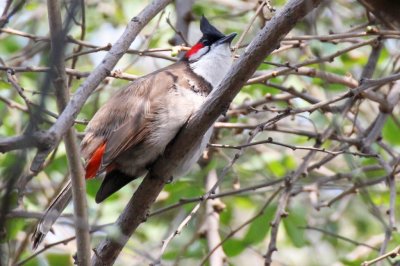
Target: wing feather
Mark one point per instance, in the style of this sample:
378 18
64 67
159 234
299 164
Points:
125 120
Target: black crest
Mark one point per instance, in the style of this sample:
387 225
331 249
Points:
209 30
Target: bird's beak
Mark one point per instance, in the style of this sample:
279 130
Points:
227 39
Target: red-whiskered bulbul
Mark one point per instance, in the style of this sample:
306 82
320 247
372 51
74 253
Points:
133 128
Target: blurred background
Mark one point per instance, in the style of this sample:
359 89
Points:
294 150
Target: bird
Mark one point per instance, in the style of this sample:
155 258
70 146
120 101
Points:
133 128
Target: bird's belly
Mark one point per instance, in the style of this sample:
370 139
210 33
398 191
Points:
180 104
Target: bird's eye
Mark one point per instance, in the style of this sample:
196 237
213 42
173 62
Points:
206 42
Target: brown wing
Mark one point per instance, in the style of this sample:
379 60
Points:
125 120
135 128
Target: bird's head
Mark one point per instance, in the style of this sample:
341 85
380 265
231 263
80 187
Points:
213 40
211 52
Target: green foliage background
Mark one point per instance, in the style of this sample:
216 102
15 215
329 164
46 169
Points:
360 216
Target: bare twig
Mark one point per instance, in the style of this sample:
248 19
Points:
183 18
251 22
325 232
292 147
391 254
69 71
178 32
279 214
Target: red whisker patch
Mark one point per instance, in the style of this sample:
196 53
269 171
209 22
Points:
194 50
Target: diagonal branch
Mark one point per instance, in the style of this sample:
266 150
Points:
217 103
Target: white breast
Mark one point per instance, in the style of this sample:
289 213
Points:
180 105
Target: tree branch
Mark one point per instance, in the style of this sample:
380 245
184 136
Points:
211 224
59 76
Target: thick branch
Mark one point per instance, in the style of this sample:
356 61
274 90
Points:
36 139
217 102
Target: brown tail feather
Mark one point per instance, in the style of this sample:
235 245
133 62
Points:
51 215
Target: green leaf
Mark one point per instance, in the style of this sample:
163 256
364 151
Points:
92 186
170 255
390 132
351 263
372 173
289 162
59 259
9 45
227 214
292 223
33 262
260 227
233 247
277 169
14 226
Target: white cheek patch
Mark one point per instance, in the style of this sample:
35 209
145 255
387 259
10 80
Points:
214 65
199 53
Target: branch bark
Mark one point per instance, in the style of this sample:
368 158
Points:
59 76
35 139
70 112
183 18
211 224
217 103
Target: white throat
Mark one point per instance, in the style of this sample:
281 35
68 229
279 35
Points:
214 65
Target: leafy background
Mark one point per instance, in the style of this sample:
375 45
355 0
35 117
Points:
351 230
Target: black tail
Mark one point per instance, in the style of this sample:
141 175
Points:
51 215
113 182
